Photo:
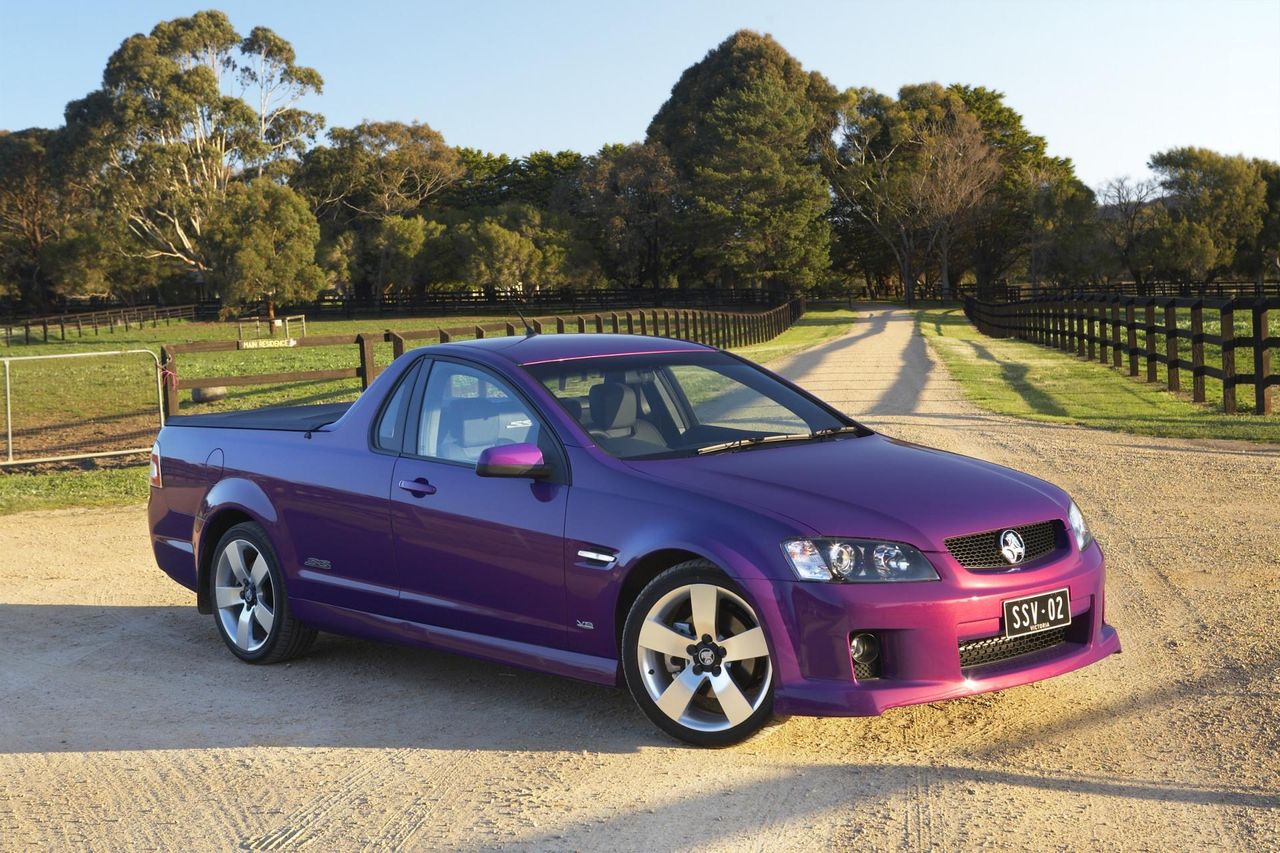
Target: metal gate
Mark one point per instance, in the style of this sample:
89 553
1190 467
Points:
66 428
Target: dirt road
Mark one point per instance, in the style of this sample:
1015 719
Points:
124 723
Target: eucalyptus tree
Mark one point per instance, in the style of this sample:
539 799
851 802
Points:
371 173
1130 220
170 131
261 245
627 199
1215 203
912 171
33 213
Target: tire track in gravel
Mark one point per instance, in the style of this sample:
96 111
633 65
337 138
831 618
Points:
306 824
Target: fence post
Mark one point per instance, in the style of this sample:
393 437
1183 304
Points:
1197 351
169 387
1227 326
666 322
397 344
1131 331
1104 334
613 321
1115 332
582 324
1151 340
1091 337
445 337
1173 375
559 325
368 369
1261 360
511 330
599 325
1078 327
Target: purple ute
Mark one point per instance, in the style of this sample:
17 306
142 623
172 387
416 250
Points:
630 511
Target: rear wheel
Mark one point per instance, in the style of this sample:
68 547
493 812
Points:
251 608
696 659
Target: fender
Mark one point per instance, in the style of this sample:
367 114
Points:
241 496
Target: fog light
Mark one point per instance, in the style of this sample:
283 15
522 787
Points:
864 648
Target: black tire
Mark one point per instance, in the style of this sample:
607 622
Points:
753 677
287 637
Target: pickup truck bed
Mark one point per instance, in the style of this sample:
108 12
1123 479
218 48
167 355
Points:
280 418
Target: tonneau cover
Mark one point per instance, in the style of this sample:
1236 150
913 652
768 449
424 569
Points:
283 418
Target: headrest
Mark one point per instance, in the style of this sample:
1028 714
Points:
471 421
573 406
613 406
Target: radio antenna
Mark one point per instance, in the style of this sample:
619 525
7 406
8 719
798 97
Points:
515 303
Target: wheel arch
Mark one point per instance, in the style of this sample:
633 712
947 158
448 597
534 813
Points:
639 576
229 502
215 526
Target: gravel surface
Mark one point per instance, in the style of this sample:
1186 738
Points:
124 723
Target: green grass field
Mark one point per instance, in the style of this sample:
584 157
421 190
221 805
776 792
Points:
96 393
1030 381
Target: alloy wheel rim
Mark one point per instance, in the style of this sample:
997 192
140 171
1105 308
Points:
703 658
244 595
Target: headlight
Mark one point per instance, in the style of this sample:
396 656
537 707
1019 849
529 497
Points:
857 561
1079 529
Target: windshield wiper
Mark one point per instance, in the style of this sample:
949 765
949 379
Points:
754 441
840 430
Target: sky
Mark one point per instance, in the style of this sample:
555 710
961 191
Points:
1107 83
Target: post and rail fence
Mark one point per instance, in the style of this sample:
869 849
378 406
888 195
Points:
40 328
1145 331
717 328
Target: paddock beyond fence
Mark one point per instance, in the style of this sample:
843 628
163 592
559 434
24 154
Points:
1107 328
59 419
717 328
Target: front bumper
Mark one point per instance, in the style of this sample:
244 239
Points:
921 626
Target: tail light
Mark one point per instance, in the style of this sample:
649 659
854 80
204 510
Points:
156 482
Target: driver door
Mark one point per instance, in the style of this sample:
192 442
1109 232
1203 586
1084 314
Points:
478 554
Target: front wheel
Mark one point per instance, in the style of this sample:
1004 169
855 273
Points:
696 659
250 605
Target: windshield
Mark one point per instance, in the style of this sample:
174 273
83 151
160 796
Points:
672 404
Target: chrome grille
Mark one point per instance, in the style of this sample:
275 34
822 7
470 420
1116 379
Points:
982 550
993 649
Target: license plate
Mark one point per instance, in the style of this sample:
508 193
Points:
1037 613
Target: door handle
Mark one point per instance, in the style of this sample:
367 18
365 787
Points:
418 487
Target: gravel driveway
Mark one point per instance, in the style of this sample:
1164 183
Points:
124 723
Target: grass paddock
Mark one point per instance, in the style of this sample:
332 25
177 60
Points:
1013 377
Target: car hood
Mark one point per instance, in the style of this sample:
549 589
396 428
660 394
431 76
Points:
869 487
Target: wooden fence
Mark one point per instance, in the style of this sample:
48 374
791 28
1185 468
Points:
718 328
1108 329
94 321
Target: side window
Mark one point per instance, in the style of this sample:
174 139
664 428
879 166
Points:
388 435
466 411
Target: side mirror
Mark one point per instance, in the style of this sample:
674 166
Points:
512 460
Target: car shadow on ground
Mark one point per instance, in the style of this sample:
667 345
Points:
86 678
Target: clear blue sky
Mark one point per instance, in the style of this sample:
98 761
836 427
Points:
1108 83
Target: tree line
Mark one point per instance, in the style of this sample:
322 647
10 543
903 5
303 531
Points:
193 169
